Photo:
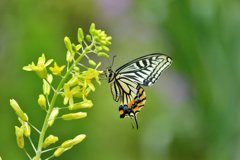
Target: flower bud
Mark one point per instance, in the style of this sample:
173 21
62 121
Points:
67 144
103 42
77 69
72 116
80 35
49 140
96 38
73 81
74 48
98 48
68 44
42 101
92 27
81 105
109 38
78 139
88 38
78 47
108 43
46 85
53 115
106 49
87 48
19 134
18 110
58 152
27 129
103 55
92 63
69 56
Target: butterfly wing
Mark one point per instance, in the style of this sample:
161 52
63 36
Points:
131 94
146 70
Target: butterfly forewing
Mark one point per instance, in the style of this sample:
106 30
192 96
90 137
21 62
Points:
145 70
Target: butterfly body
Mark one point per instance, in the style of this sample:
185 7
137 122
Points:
125 82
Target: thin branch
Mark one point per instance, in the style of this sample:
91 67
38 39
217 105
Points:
50 149
27 154
50 157
34 127
29 138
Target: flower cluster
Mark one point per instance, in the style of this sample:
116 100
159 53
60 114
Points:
74 87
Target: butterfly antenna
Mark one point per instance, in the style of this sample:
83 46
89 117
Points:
112 61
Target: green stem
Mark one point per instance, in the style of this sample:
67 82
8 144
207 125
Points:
45 124
30 140
51 149
50 157
27 153
33 127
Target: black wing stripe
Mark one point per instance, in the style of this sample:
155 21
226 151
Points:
145 70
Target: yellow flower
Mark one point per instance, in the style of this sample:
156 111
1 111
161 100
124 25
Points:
72 116
18 110
42 101
68 94
58 152
73 81
67 144
89 75
78 139
81 105
26 127
46 85
53 115
40 69
57 70
19 133
49 140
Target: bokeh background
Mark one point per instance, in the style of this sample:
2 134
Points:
191 113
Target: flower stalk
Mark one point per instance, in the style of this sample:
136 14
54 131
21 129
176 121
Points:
79 86
43 131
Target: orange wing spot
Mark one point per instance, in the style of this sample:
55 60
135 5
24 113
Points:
130 105
140 90
133 101
121 111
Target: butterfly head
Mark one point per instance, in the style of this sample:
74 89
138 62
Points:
109 73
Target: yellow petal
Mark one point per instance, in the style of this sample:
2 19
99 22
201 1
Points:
27 68
66 88
65 101
48 62
90 85
41 59
75 89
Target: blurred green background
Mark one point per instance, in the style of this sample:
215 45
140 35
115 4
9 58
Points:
191 113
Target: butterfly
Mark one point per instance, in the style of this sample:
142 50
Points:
125 82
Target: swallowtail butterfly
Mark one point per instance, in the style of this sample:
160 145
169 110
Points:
125 82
